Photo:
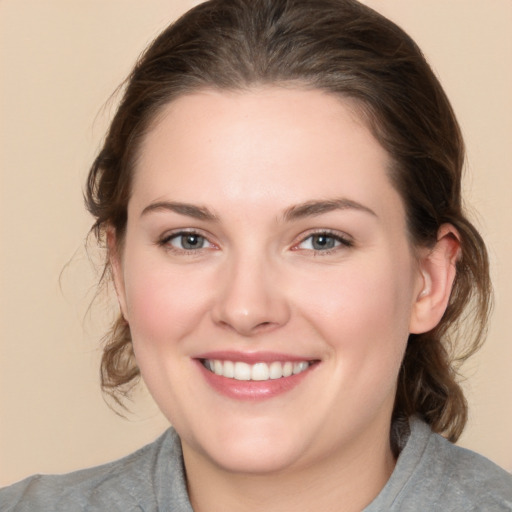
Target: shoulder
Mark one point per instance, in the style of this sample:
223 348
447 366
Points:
433 474
130 483
466 477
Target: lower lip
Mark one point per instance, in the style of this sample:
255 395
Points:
252 389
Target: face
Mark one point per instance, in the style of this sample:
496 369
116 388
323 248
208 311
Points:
267 277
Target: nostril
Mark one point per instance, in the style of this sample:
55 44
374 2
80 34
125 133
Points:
263 326
248 311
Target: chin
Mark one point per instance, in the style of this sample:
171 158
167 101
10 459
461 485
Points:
257 448
257 458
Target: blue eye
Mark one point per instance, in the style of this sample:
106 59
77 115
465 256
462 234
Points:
186 241
323 242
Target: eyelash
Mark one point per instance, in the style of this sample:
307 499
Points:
165 242
340 241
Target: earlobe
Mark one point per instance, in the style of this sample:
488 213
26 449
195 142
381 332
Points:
438 270
117 270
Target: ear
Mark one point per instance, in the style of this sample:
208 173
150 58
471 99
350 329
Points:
437 267
116 265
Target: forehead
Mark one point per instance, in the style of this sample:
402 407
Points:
270 145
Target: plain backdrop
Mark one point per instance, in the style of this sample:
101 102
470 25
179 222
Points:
60 60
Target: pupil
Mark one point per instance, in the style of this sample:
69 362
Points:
191 241
323 242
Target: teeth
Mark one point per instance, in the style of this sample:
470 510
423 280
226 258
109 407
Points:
218 367
258 372
242 371
287 369
228 369
299 367
275 370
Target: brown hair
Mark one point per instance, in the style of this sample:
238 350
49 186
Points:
347 49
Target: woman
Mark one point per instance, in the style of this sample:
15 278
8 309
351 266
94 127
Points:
279 193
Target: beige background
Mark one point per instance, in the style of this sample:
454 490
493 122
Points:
59 62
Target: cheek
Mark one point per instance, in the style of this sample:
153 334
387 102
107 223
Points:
163 304
362 312
164 307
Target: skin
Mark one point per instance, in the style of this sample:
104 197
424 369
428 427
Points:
257 282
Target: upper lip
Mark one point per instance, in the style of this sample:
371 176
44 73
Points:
253 357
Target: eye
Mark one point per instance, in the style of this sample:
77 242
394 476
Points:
186 241
323 242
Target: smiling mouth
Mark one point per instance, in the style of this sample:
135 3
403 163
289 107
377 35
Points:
261 371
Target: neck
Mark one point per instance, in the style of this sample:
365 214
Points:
345 481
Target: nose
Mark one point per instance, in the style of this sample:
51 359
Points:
251 298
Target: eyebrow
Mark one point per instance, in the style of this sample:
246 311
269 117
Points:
298 211
312 208
190 210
